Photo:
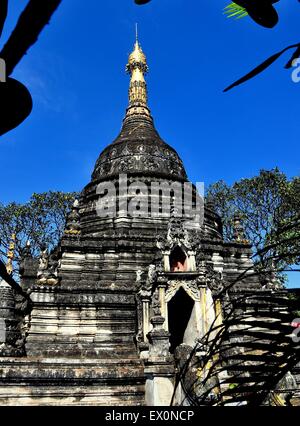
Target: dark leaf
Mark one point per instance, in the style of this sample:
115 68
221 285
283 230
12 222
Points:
263 14
140 2
260 68
16 104
261 11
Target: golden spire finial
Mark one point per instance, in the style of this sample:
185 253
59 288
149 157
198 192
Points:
11 254
137 67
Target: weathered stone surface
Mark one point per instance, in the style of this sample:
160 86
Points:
64 381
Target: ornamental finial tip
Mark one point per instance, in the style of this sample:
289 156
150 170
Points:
137 68
136 33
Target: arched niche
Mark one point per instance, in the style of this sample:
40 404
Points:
178 260
180 313
189 312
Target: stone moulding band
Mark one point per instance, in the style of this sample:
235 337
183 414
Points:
157 199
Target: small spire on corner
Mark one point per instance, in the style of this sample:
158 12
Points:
11 254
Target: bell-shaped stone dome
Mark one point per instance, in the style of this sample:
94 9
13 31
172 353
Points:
139 150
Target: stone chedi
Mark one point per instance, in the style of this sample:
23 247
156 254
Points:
110 305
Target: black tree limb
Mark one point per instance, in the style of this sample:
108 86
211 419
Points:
33 19
3 14
262 67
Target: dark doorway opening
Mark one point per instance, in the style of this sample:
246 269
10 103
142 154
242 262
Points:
180 309
178 260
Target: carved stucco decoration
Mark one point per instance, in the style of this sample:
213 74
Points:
191 288
147 296
145 291
156 308
48 267
139 308
178 234
148 286
73 221
214 280
139 275
139 158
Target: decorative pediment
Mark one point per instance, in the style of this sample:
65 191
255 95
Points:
190 286
178 235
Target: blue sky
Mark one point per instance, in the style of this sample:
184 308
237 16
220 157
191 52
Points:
76 76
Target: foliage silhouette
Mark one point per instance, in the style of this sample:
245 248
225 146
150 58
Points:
41 221
263 66
16 102
247 358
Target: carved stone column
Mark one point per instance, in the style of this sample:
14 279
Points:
203 303
166 257
191 261
159 368
9 327
162 287
159 339
145 297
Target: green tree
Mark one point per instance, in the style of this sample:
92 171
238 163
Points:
268 205
41 221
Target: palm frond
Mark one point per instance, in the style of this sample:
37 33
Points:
233 10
